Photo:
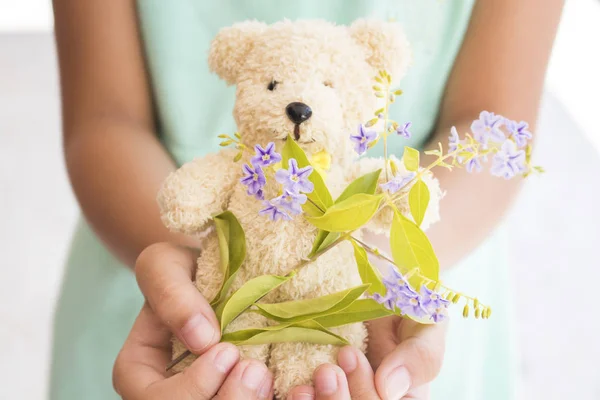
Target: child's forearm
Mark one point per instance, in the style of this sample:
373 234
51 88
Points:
116 169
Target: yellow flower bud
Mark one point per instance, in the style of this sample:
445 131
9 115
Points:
371 122
456 298
394 167
475 303
237 157
478 313
466 311
223 136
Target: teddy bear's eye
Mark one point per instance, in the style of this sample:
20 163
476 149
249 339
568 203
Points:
272 85
328 84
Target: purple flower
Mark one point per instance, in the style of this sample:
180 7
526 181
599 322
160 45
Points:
395 281
488 127
403 130
432 300
518 131
411 304
397 182
265 157
439 314
254 179
291 202
509 161
295 179
474 165
388 301
454 140
363 139
273 212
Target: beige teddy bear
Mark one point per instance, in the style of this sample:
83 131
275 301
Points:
311 80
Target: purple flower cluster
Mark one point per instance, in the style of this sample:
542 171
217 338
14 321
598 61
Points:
400 295
294 181
509 159
295 184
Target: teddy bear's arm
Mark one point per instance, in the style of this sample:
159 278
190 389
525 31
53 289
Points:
381 222
196 191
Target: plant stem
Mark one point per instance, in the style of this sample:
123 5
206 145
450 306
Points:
372 251
385 130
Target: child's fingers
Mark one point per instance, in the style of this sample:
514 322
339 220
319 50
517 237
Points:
303 392
359 374
416 361
203 379
330 383
250 379
141 362
164 274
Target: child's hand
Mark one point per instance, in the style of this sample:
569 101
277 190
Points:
406 356
353 379
174 305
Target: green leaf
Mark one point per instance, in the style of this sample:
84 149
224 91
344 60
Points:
411 159
232 250
222 228
418 200
301 310
365 184
323 240
411 249
247 295
223 291
359 311
305 332
349 214
367 272
320 195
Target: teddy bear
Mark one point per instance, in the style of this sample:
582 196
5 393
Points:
311 82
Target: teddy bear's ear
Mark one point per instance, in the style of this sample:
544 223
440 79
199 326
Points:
385 44
229 48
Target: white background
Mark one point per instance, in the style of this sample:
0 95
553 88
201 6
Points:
555 224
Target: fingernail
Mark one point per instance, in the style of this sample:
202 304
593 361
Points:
226 359
397 383
302 396
198 333
326 381
265 389
347 360
253 375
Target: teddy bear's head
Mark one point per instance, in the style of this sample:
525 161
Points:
308 79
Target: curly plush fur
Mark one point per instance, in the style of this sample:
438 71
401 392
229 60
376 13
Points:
330 68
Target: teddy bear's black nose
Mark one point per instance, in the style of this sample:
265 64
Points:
298 112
